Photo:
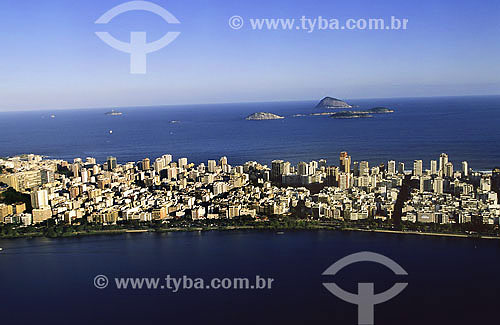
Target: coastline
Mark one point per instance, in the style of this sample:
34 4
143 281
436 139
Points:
251 228
401 232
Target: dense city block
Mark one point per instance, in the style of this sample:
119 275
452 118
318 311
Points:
43 196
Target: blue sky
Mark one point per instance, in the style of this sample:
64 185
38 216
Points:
51 58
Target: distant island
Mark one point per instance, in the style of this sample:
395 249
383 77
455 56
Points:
113 113
361 114
263 116
330 102
350 114
356 114
380 110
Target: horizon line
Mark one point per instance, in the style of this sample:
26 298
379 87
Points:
225 103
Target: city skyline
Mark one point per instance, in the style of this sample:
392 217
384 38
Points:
170 185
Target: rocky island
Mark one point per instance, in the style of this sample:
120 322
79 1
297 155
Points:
330 102
380 110
361 114
350 114
263 116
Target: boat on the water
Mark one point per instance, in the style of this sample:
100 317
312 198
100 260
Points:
114 113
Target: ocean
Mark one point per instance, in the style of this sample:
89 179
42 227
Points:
51 281
421 128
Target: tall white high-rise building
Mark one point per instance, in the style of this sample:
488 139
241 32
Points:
355 168
171 173
212 165
303 168
401 168
286 168
159 164
448 169
111 163
391 167
438 185
344 181
167 159
417 168
183 162
277 170
485 184
443 160
76 170
85 176
39 199
46 176
364 169
434 169
465 169
345 162
223 161
313 165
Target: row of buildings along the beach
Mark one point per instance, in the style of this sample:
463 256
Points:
164 189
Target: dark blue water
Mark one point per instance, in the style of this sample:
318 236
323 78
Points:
451 281
421 128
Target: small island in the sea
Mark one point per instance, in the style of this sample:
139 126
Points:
350 114
113 113
330 102
380 110
361 114
263 116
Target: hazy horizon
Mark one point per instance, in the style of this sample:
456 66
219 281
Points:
234 102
